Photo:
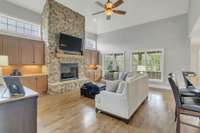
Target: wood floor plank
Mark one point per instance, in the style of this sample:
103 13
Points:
71 113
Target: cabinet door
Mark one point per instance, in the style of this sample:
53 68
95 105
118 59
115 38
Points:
38 52
1 45
29 82
11 48
94 57
42 84
87 57
26 52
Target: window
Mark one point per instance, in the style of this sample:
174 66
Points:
12 25
90 44
113 62
150 61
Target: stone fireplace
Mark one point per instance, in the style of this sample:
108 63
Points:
65 72
68 71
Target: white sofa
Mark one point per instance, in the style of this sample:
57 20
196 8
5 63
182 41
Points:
123 105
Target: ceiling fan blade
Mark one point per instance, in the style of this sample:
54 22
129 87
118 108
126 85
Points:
98 13
108 17
119 12
100 4
118 3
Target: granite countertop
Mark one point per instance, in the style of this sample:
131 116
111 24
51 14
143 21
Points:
6 98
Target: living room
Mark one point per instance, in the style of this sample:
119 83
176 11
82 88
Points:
99 66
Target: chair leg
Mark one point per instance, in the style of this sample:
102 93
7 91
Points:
178 126
175 115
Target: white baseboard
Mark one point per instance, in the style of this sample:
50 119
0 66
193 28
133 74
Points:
159 86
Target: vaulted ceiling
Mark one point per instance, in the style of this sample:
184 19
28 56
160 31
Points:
138 12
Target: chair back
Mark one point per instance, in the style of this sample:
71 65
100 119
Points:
187 82
174 89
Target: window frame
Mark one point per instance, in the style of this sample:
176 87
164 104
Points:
118 52
161 61
20 34
90 40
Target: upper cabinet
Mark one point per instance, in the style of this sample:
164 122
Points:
11 48
91 57
1 45
22 51
27 51
38 52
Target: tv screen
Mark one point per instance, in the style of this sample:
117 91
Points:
70 43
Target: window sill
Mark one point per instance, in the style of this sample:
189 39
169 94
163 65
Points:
156 80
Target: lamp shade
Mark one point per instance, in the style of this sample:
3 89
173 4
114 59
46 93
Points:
3 60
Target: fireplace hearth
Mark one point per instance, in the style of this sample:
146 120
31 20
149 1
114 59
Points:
68 71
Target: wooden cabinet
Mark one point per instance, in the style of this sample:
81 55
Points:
27 52
1 45
36 83
87 58
22 51
11 48
32 52
29 82
95 57
38 52
91 57
42 84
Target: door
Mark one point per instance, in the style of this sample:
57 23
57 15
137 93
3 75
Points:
11 49
27 52
38 52
29 82
42 84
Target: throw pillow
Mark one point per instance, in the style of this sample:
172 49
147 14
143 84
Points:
112 85
123 76
121 87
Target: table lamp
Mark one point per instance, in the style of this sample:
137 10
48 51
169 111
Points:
3 62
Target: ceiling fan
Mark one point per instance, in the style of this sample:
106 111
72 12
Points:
110 8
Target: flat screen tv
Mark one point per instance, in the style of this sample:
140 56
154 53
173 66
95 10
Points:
69 43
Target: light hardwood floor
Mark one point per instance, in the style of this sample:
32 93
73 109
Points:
74 114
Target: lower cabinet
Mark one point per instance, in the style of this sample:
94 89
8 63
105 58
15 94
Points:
42 84
36 83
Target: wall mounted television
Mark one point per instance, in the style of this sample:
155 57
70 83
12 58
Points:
70 44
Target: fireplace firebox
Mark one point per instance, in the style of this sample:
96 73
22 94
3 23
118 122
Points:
68 71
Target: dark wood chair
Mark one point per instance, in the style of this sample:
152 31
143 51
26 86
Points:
187 82
190 90
183 108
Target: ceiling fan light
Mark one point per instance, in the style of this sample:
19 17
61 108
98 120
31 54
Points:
108 12
109 5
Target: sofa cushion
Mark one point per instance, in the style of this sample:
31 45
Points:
112 85
122 85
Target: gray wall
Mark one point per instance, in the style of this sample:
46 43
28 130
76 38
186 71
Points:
19 12
170 34
194 13
195 59
91 36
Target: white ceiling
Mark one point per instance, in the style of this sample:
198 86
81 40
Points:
138 12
